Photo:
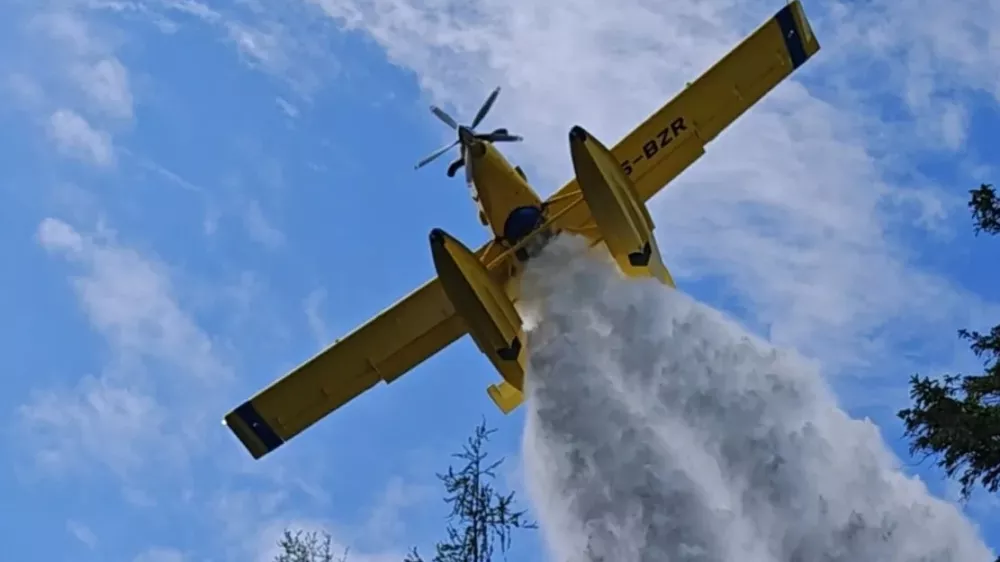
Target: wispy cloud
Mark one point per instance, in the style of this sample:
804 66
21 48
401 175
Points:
143 404
82 533
101 420
69 79
130 299
267 546
160 554
116 417
313 306
261 47
260 229
265 516
75 137
106 84
24 89
194 8
287 107
386 520
284 47
70 31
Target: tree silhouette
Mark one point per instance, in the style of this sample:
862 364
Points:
957 417
481 521
313 546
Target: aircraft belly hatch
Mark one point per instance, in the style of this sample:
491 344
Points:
489 315
623 220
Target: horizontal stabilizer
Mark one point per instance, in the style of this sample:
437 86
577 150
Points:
505 396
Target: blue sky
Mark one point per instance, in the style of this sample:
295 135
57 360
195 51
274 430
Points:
192 194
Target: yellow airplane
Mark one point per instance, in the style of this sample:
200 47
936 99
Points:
474 291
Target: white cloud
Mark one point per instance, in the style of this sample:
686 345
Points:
75 137
274 47
259 516
793 205
263 516
137 498
210 224
70 30
130 300
267 547
169 175
287 107
101 420
116 417
269 535
954 125
25 89
317 326
160 554
260 46
386 520
82 533
106 83
260 229
194 8
285 46
70 80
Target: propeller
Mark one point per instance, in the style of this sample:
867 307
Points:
466 136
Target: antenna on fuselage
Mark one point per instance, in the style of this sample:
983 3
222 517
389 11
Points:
467 135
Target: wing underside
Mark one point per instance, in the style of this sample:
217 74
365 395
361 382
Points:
674 137
383 349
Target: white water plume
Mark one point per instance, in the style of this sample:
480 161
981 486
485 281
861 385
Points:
660 431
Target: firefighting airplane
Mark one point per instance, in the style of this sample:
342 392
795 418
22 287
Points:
474 291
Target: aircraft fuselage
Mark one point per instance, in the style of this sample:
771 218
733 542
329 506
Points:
508 206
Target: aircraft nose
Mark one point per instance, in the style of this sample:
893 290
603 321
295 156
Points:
437 236
466 135
577 133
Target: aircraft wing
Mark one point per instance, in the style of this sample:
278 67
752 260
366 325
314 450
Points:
383 349
674 137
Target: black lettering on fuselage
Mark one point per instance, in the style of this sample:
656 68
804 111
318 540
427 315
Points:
677 126
651 147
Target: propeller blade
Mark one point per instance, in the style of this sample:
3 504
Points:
485 108
444 117
434 155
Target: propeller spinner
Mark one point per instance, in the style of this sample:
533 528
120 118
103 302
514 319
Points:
466 136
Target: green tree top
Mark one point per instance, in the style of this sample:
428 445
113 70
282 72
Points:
481 520
985 209
957 418
313 546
